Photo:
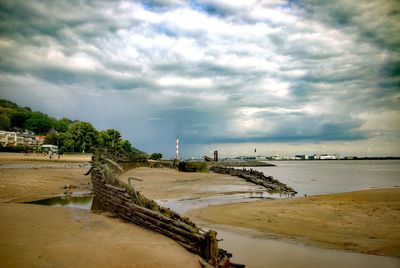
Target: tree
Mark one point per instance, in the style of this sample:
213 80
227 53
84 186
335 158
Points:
109 138
55 139
80 137
126 146
5 122
39 123
62 125
20 117
156 156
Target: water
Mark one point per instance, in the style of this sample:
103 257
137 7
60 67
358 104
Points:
257 251
325 177
82 202
307 177
186 204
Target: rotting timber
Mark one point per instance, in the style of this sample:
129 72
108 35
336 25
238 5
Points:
271 185
121 199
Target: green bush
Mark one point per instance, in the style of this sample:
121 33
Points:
193 167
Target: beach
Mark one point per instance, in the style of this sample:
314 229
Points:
364 221
42 236
360 221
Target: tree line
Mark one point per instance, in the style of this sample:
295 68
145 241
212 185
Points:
68 135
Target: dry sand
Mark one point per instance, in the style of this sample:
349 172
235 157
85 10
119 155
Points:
6 158
40 236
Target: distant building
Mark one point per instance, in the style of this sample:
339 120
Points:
300 157
327 157
10 138
216 156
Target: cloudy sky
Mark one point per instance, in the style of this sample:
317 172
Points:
284 77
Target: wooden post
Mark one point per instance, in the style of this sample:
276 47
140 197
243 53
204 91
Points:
211 250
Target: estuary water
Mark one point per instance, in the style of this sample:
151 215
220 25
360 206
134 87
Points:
326 177
312 178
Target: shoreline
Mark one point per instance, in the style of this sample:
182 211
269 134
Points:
44 236
365 221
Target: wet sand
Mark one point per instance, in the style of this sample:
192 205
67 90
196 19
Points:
363 221
41 236
27 184
166 183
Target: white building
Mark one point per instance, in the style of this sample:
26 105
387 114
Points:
327 157
10 138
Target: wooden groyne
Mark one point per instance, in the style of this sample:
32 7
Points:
121 199
271 185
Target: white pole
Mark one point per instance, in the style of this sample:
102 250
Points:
177 149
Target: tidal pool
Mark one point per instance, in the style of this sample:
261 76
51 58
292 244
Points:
80 201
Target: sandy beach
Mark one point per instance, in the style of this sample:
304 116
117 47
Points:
364 221
42 236
166 183
7 158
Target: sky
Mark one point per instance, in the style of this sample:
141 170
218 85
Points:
283 77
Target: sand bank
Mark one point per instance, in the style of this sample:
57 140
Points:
165 183
41 236
364 221
22 185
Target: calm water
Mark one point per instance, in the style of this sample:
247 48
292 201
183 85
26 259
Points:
311 178
82 202
323 177
257 251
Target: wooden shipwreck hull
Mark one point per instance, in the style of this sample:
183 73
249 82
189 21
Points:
121 199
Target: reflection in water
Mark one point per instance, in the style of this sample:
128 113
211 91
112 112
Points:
184 205
254 250
82 202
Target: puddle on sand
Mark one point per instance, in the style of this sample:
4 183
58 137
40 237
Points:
255 250
81 201
186 204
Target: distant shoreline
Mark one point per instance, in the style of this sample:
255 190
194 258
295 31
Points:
341 159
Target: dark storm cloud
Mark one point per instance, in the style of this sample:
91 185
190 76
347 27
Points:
210 71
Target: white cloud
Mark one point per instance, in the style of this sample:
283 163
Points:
184 82
240 70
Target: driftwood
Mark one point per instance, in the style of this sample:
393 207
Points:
121 199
